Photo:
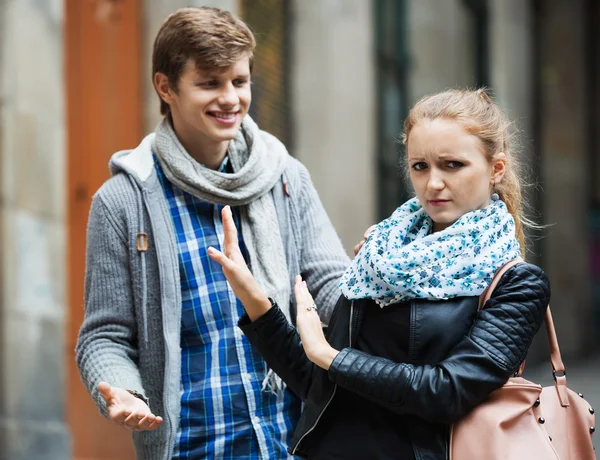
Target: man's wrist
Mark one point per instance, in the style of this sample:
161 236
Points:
138 395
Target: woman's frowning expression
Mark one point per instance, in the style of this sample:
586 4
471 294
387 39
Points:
449 170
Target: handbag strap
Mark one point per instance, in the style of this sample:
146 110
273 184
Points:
555 358
487 293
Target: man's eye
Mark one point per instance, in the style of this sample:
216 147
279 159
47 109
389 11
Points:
209 84
240 82
419 166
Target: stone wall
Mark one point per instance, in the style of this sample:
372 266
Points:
32 231
442 52
333 103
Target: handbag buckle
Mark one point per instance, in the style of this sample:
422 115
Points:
561 374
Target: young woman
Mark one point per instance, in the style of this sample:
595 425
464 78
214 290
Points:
407 353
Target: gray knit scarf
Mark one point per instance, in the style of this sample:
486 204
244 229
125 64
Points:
258 160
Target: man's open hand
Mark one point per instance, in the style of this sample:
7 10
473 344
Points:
128 410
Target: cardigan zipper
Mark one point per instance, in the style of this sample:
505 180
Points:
316 421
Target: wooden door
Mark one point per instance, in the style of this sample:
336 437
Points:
104 89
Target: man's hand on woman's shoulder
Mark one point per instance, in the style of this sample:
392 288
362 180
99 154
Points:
364 240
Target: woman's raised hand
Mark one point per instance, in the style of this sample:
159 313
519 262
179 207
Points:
309 327
236 271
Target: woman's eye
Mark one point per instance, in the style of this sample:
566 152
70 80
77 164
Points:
240 82
419 166
455 164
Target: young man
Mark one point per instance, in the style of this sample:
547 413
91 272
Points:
159 348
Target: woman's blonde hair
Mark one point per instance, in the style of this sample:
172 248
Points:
481 117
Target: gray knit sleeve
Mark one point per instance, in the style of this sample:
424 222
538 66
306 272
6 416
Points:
323 258
106 347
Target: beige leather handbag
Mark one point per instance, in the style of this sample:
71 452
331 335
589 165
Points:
523 421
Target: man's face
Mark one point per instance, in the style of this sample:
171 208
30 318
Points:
209 104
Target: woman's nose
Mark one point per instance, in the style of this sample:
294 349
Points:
435 182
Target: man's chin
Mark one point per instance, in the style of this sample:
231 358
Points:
223 135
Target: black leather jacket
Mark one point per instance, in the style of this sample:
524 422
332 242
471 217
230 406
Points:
457 357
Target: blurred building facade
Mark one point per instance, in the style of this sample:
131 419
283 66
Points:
334 80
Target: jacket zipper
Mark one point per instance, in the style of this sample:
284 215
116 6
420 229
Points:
316 421
447 447
334 388
350 323
411 335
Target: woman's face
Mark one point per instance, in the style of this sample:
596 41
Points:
449 170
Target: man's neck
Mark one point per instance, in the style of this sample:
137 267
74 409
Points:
205 152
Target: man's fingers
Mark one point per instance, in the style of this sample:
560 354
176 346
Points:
133 420
155 424
368 232
358 246
145 423
119 415
106 392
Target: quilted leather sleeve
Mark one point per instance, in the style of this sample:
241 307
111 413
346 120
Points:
513 315
279 344
481 361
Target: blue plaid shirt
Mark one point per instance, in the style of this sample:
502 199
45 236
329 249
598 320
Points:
224 412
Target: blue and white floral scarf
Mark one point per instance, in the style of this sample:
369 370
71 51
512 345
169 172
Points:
402 259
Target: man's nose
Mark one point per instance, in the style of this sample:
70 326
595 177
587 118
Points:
229 96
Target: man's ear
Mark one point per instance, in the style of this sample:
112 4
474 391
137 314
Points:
164 90
498 167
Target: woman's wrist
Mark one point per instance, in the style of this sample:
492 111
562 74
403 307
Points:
257 306
324 356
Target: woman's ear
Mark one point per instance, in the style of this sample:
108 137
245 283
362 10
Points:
498 167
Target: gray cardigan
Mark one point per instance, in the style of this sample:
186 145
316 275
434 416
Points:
130 336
